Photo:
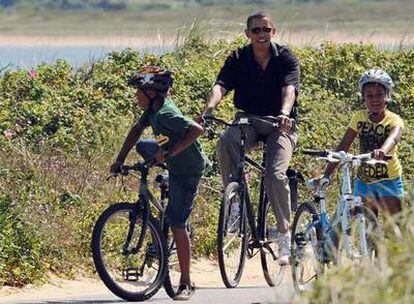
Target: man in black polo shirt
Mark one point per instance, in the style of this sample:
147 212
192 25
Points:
265 80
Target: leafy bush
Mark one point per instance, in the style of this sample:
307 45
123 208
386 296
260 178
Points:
21 254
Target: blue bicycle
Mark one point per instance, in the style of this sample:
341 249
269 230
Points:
351 235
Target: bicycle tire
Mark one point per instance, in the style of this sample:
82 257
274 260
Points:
306 256
231 277
120 272
272 271
372 235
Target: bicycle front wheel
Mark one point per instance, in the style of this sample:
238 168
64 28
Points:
306 261
232 239
359 241
132 273
272 271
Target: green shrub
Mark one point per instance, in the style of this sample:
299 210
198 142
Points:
21 254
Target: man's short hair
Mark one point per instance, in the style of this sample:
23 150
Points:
258 14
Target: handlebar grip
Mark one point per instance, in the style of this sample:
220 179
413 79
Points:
321 153
387 157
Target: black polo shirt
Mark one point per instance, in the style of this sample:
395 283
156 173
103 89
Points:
256 91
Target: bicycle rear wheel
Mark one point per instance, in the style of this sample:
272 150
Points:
272 271
133 274
362 235
306 260
231 239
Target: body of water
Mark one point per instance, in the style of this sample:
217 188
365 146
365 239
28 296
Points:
27 57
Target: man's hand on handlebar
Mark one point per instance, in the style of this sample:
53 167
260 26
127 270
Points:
285 123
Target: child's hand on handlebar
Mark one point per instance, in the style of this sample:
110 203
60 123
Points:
378 154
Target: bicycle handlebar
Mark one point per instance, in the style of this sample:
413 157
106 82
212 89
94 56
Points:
244 121
320 153
142 166
341 155
137 167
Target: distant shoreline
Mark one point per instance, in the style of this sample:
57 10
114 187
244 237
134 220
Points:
296 39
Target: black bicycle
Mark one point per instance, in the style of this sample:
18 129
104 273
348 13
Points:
133 251
239 234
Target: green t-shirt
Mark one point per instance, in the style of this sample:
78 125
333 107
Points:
169 126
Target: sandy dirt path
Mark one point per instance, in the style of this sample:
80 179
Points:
205 273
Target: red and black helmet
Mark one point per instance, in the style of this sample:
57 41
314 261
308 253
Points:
153 78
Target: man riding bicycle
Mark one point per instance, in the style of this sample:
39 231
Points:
265 80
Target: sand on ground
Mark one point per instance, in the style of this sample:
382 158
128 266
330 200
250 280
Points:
205 273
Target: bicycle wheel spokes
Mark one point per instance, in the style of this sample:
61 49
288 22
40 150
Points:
231 237
131 273
306 258
272 271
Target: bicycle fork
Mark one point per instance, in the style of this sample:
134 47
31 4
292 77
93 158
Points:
349 203
134 273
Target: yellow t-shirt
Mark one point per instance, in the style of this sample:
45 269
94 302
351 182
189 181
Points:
372 136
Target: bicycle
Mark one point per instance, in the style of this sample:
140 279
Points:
132 250
316 240
239 235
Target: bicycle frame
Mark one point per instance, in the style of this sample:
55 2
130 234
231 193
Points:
143 207
258 233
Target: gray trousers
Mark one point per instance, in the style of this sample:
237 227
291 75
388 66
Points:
279 149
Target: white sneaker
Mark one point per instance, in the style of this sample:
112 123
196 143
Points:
283 241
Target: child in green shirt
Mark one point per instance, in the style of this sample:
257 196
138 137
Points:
176 144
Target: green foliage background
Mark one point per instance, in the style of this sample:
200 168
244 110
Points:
61 127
